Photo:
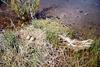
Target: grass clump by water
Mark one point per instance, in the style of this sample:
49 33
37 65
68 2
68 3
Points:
23 6
53 29
30 47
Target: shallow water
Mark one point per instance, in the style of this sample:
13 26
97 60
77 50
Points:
77 13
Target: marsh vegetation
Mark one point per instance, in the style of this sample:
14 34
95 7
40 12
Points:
27 40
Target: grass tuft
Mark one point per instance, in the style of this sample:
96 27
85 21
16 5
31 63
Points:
53 29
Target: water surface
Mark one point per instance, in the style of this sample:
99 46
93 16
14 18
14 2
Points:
78 13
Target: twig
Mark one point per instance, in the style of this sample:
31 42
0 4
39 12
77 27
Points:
12 24
5 2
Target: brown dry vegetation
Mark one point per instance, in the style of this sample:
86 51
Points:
38 44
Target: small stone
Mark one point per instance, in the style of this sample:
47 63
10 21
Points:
28 37
81 11
31 39
85 13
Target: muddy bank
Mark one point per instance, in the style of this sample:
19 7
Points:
80 14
